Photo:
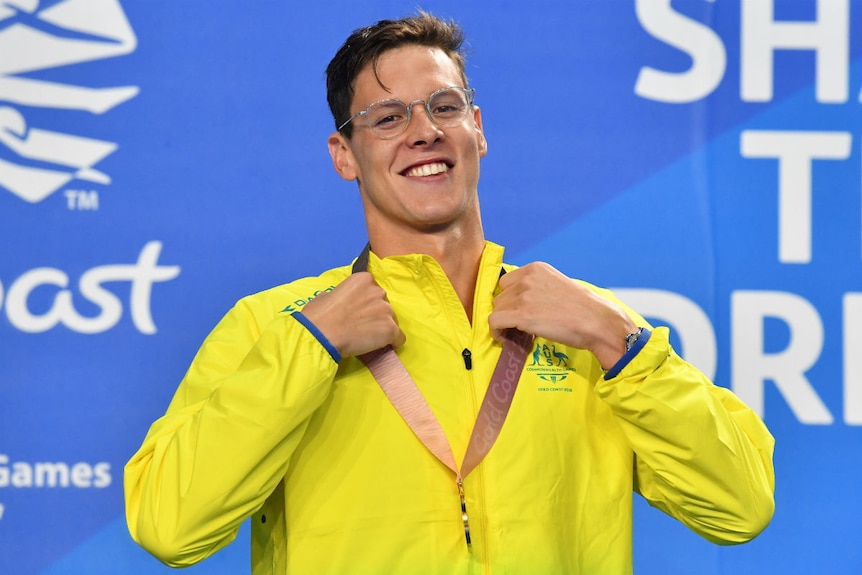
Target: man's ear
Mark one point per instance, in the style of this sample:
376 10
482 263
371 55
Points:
342 157
480 135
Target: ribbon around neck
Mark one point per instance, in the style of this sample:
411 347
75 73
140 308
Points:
407 399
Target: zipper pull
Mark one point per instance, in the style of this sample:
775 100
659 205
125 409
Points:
464 512
468 358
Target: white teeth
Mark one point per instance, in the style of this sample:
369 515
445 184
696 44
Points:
428 169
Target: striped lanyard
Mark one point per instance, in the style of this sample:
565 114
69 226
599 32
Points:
405 396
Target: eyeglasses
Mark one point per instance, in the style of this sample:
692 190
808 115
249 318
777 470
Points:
389 118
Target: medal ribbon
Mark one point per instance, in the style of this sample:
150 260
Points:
405 396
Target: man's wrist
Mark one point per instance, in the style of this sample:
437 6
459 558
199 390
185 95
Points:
634 342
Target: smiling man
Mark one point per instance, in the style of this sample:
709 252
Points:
402 421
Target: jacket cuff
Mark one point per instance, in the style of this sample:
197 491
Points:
333 351
629 355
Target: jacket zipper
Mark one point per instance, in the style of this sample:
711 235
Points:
467 356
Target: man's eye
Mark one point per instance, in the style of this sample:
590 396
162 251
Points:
447 110
385 120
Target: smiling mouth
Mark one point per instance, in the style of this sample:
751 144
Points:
427 170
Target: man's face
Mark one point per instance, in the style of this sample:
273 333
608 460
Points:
426 178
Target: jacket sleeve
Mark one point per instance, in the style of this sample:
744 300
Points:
227 437
701 455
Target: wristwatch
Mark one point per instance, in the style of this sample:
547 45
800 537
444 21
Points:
632 338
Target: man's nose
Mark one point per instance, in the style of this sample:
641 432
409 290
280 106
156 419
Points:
421 130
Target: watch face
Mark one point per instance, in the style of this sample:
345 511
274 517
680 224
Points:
632 338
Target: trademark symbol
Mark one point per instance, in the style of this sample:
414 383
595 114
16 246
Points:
82 200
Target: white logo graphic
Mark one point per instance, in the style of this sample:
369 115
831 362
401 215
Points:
141 276
34 162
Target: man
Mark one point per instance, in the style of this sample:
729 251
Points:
287 418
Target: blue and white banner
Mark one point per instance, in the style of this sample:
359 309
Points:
159 160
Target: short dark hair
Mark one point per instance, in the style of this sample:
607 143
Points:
366 45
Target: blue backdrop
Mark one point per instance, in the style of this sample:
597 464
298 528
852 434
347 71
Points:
159 160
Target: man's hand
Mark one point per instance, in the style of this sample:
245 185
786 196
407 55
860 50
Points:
355 316
540 300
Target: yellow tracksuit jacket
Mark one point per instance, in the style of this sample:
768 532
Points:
267 424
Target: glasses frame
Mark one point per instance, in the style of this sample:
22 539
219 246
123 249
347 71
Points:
469 93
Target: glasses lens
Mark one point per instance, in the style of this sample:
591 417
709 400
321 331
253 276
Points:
449 107
387 117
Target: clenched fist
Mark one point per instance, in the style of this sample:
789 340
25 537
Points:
355 317
540 300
